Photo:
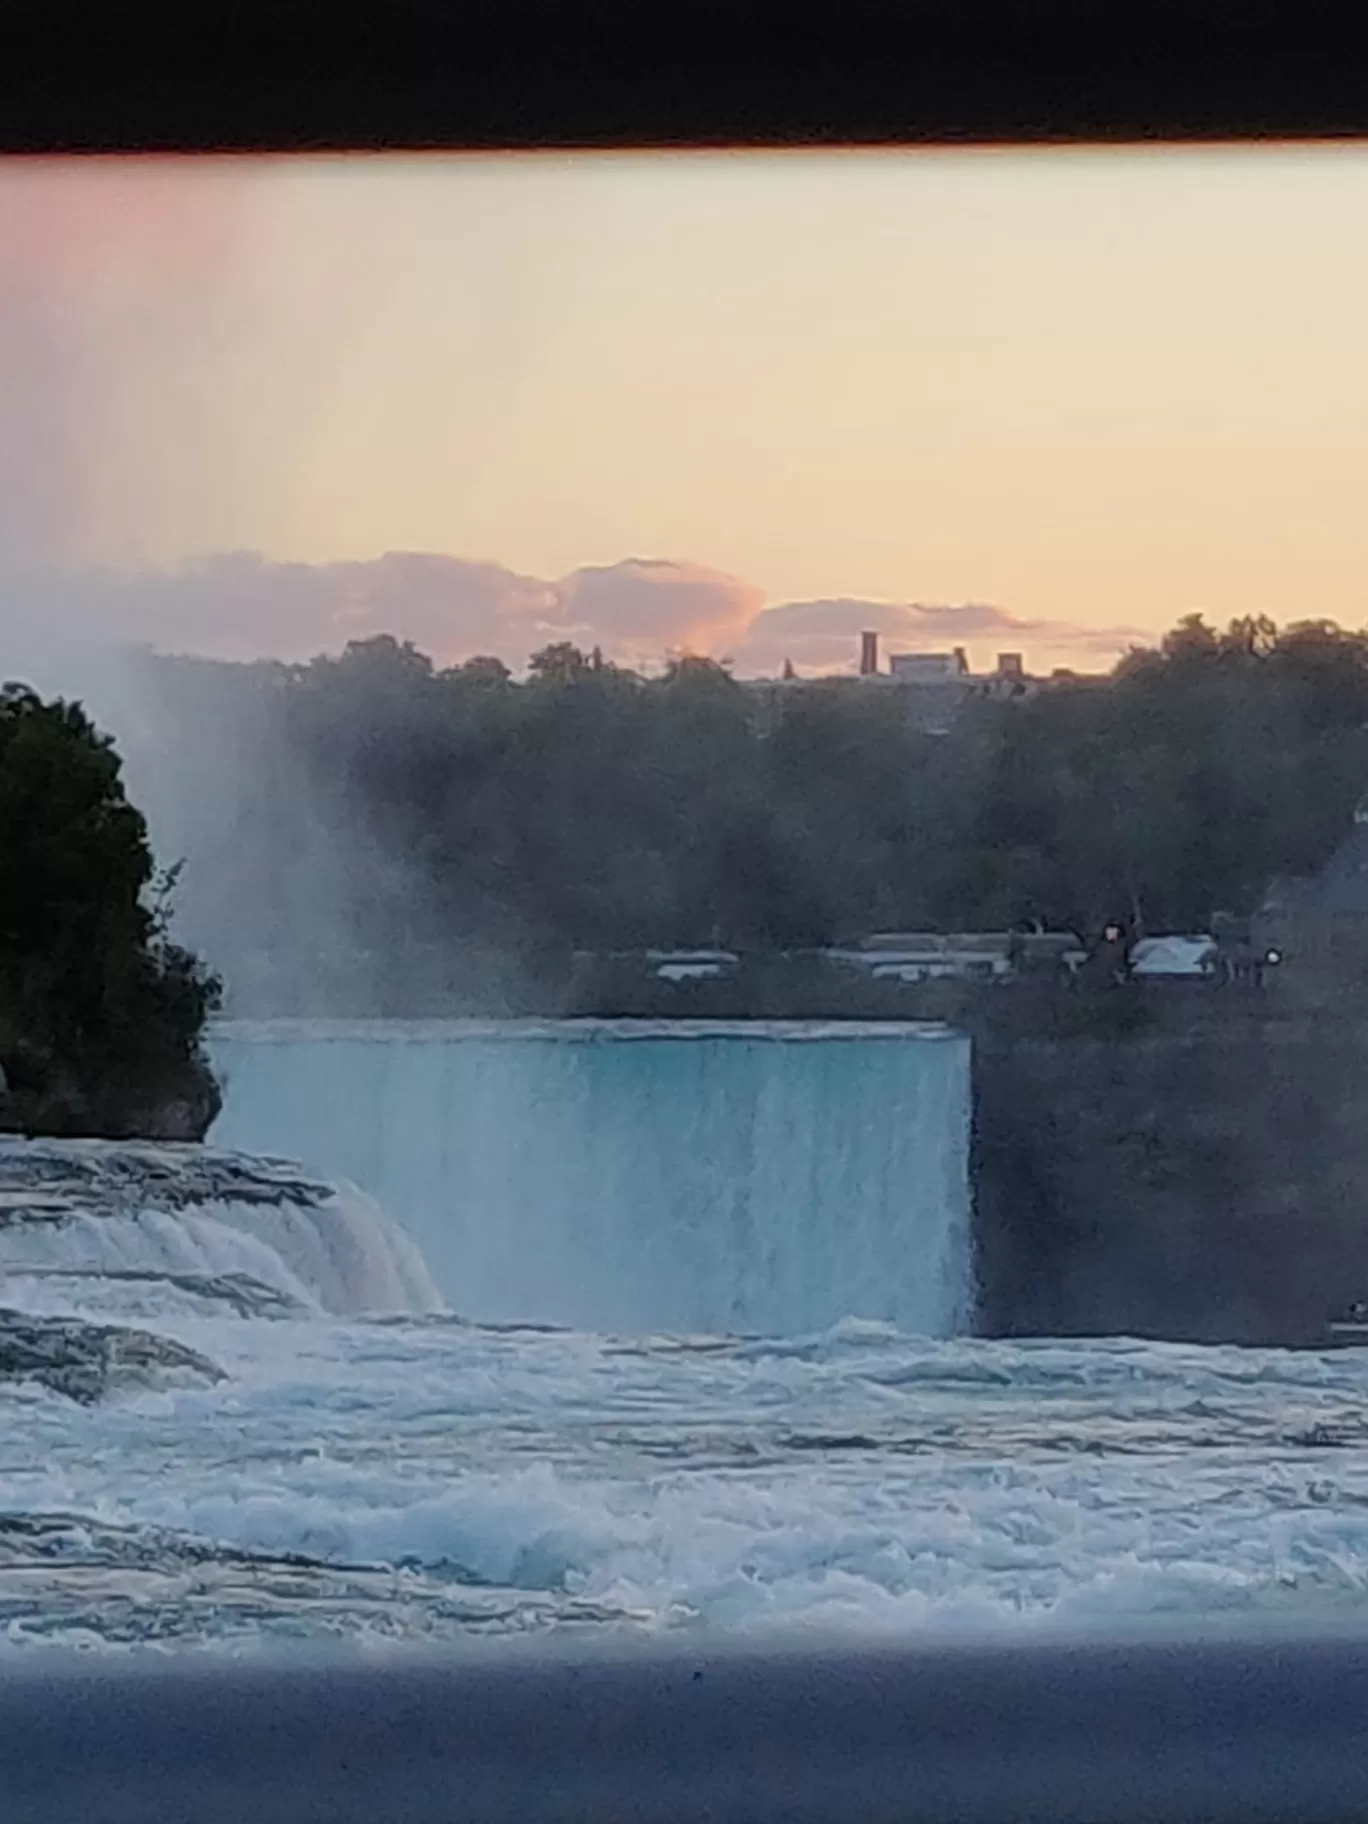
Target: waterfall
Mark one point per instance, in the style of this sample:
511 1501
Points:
631 1175
90 1208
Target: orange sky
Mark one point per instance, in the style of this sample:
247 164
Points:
1066 395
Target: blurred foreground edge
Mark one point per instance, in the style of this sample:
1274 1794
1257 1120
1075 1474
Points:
1239 1730
242 75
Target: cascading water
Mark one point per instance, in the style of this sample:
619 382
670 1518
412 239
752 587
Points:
770 1177
194 1450
128 1210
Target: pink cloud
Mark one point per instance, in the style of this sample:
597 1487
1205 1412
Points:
240 605
640 608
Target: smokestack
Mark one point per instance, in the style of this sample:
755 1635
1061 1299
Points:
961 660
869 654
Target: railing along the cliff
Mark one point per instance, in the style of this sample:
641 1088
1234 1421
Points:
1150 1730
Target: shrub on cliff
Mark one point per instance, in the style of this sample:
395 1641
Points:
101 1013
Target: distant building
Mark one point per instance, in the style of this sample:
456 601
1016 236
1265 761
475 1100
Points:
691 965
1176 957
928 667
931 687
921 956
947 670
1010 679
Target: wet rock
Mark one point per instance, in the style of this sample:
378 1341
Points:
75 1577
86 1361
52 1180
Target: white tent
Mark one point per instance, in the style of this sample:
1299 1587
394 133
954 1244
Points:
1184 956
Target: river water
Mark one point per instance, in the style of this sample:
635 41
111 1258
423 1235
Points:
406 1479
399 1454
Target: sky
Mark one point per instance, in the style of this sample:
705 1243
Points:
741 404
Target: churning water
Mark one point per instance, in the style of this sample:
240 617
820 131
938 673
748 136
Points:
376 1467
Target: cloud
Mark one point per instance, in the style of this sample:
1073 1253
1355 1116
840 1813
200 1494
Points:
240 605
640 608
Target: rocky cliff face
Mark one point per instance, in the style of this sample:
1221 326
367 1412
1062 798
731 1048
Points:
1205 1178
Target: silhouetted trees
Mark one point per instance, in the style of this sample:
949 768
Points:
100 1011
460 815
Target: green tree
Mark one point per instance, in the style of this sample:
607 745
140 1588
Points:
101 1012
560 662
483 669
591 809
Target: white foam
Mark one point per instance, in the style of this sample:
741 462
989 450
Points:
329 1248
959 1484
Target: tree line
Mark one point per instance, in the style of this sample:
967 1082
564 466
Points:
379 804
